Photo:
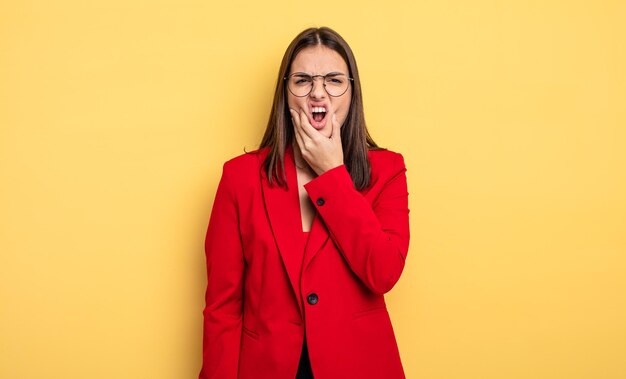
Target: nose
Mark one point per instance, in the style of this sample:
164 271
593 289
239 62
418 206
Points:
318 91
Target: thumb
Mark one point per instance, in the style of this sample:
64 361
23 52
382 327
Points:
336 132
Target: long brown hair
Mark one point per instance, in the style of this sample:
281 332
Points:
355 138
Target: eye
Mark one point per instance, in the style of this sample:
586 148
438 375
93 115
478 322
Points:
301 80
335 80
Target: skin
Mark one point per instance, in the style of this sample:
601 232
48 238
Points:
317 151
320 149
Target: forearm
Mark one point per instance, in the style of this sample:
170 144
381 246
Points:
374 238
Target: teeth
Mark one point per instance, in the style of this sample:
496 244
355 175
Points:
319 110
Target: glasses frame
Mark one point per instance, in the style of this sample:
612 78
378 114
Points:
350 81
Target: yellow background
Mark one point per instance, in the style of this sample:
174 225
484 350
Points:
116 117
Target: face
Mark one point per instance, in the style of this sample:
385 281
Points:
320 60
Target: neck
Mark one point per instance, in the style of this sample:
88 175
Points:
297 155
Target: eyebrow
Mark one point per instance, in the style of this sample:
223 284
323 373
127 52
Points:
332 73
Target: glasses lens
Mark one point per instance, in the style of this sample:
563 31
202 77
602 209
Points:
300 84
336 85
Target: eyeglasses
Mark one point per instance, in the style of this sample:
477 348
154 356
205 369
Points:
300 84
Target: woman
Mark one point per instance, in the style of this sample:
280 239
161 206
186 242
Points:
307 234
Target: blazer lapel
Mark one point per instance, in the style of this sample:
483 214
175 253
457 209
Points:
317 238
283 211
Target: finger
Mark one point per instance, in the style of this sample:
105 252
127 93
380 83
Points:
298 137
331 119
294 117
306 126
336 133
334 124
296 126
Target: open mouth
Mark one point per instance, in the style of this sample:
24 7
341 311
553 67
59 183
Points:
319 113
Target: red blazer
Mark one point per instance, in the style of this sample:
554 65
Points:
259 303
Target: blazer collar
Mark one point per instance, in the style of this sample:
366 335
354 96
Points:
283 211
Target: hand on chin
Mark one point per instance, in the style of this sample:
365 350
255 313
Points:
322 152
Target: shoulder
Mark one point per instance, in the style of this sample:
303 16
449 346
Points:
242 171
244 162
386 165
385 159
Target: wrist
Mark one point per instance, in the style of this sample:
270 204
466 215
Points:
331 167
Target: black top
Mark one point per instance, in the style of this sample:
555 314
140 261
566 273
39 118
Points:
304 368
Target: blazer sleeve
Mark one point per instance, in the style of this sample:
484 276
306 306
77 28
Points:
224 292
373 239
